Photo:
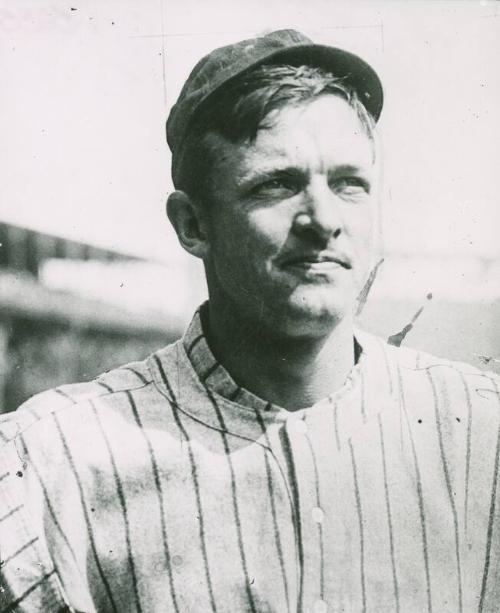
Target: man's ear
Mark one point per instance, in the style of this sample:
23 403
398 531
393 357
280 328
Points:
188 220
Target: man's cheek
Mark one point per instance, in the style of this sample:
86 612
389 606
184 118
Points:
363 260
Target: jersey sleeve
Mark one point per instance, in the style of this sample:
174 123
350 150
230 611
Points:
28 577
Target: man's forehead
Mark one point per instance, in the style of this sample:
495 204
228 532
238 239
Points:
295 135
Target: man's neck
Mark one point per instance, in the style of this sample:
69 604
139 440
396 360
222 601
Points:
293 373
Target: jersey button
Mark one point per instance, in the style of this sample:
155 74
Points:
320 606
317 515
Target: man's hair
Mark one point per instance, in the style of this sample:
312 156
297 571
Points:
242 108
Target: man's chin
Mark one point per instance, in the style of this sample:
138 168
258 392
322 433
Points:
313 313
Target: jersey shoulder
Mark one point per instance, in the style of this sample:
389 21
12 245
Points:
417 360
107 389
439 388
442 370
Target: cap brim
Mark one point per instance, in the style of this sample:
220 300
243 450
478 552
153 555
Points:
343 64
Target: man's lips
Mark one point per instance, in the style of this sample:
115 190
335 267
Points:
316 260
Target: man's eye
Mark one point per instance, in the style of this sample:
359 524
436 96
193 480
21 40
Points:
280 186
351 186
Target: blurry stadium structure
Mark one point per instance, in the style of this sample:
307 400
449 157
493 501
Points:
69 310
51 335
461 321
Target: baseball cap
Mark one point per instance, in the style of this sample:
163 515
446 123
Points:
214 71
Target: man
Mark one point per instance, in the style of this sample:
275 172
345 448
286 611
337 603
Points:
275 458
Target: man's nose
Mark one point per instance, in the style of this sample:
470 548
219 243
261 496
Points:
321 213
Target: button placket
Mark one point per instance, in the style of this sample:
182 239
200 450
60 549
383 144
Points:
300 435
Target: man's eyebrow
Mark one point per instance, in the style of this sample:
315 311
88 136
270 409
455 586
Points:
349 169
254 175
268 172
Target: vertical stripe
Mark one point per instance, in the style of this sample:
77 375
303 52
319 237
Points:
209 372
362 386
448 488
123 505
493 496
387 366
270 489
36 417
159 492
193 344
468 450
336 424
234 494
15 604
137 373
320 525
194 477
8 559
235 394
47 500
107 387
419 494
292 476
383 349
59 391
389 514
88 525
360 523
9 513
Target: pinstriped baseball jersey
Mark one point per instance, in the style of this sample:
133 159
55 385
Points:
163 486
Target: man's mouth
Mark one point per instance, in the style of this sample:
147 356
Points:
320 261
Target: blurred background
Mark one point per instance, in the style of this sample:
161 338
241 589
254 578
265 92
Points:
91 274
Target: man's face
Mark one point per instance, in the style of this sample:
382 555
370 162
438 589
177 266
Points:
290 221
